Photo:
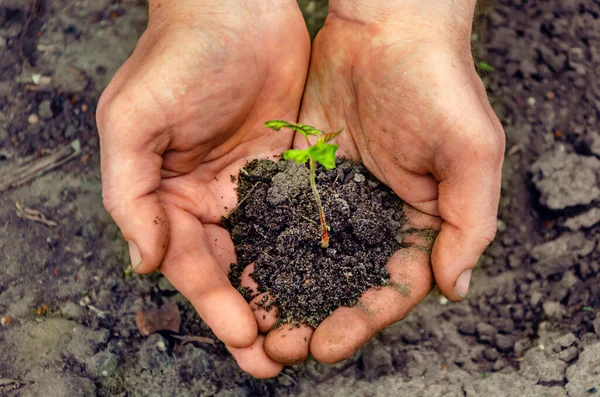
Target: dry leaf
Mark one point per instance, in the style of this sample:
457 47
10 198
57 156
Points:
165 319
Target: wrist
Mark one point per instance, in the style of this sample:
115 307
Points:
451 19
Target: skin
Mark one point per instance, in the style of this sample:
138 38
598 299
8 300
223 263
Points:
186 111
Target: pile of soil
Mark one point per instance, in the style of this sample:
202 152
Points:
277 227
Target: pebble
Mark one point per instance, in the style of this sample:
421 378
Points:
499 365
597 324
467 327
531 101
491 354
564 342
45 110
14 30
553 310
569 354
521 346
504 343
485 332
33 119
359 178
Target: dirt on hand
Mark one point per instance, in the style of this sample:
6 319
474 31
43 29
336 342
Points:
277 228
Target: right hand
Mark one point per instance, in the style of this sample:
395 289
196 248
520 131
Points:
182 115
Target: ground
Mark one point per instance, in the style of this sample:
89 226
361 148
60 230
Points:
68 302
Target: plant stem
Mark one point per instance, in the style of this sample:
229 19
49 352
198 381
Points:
313 185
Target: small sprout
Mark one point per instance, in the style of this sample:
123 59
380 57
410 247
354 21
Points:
486 67
587 309
321 152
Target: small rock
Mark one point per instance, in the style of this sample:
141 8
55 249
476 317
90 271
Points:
359 178
554 310
536 297
504 343
14 30
569 354
569 280
584 220
152 354
467 327
491 354
486 332
504 325
33 119
566 179
45 110
499 365
521 346
105 363
564 341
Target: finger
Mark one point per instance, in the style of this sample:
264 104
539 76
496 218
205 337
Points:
221 246
348 328
469 192
290 343
262 305
131 161
191 268
255 361
265 312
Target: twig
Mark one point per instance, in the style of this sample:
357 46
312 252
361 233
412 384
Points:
32 13
33 215
241 201
29 172
308 219
193 338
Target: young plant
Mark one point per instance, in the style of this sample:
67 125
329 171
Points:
321 152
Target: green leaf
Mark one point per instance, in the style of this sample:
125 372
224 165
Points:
276 124
304 129
299 156
587 309
328 137
324 153
486 67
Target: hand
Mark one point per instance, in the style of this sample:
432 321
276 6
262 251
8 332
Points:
400 79
184 113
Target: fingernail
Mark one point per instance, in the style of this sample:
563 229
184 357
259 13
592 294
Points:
134 254
462 283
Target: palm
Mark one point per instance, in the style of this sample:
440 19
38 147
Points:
196 98
398 100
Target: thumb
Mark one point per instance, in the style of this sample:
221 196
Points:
469 192
131 163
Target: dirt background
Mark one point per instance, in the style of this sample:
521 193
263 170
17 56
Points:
530 326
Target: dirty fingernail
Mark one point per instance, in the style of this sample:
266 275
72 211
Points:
134 254
462 283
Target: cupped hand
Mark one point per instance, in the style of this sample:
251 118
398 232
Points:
181 116
416 114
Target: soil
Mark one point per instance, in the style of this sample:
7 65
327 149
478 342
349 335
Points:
529 327
277 227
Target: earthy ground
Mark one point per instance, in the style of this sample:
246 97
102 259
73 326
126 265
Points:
530 326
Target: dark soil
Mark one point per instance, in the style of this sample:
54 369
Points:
277 227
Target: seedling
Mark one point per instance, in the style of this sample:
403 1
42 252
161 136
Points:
321 152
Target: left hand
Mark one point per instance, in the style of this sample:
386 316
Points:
415 112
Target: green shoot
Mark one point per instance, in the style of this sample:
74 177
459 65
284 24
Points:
486 67
321 152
